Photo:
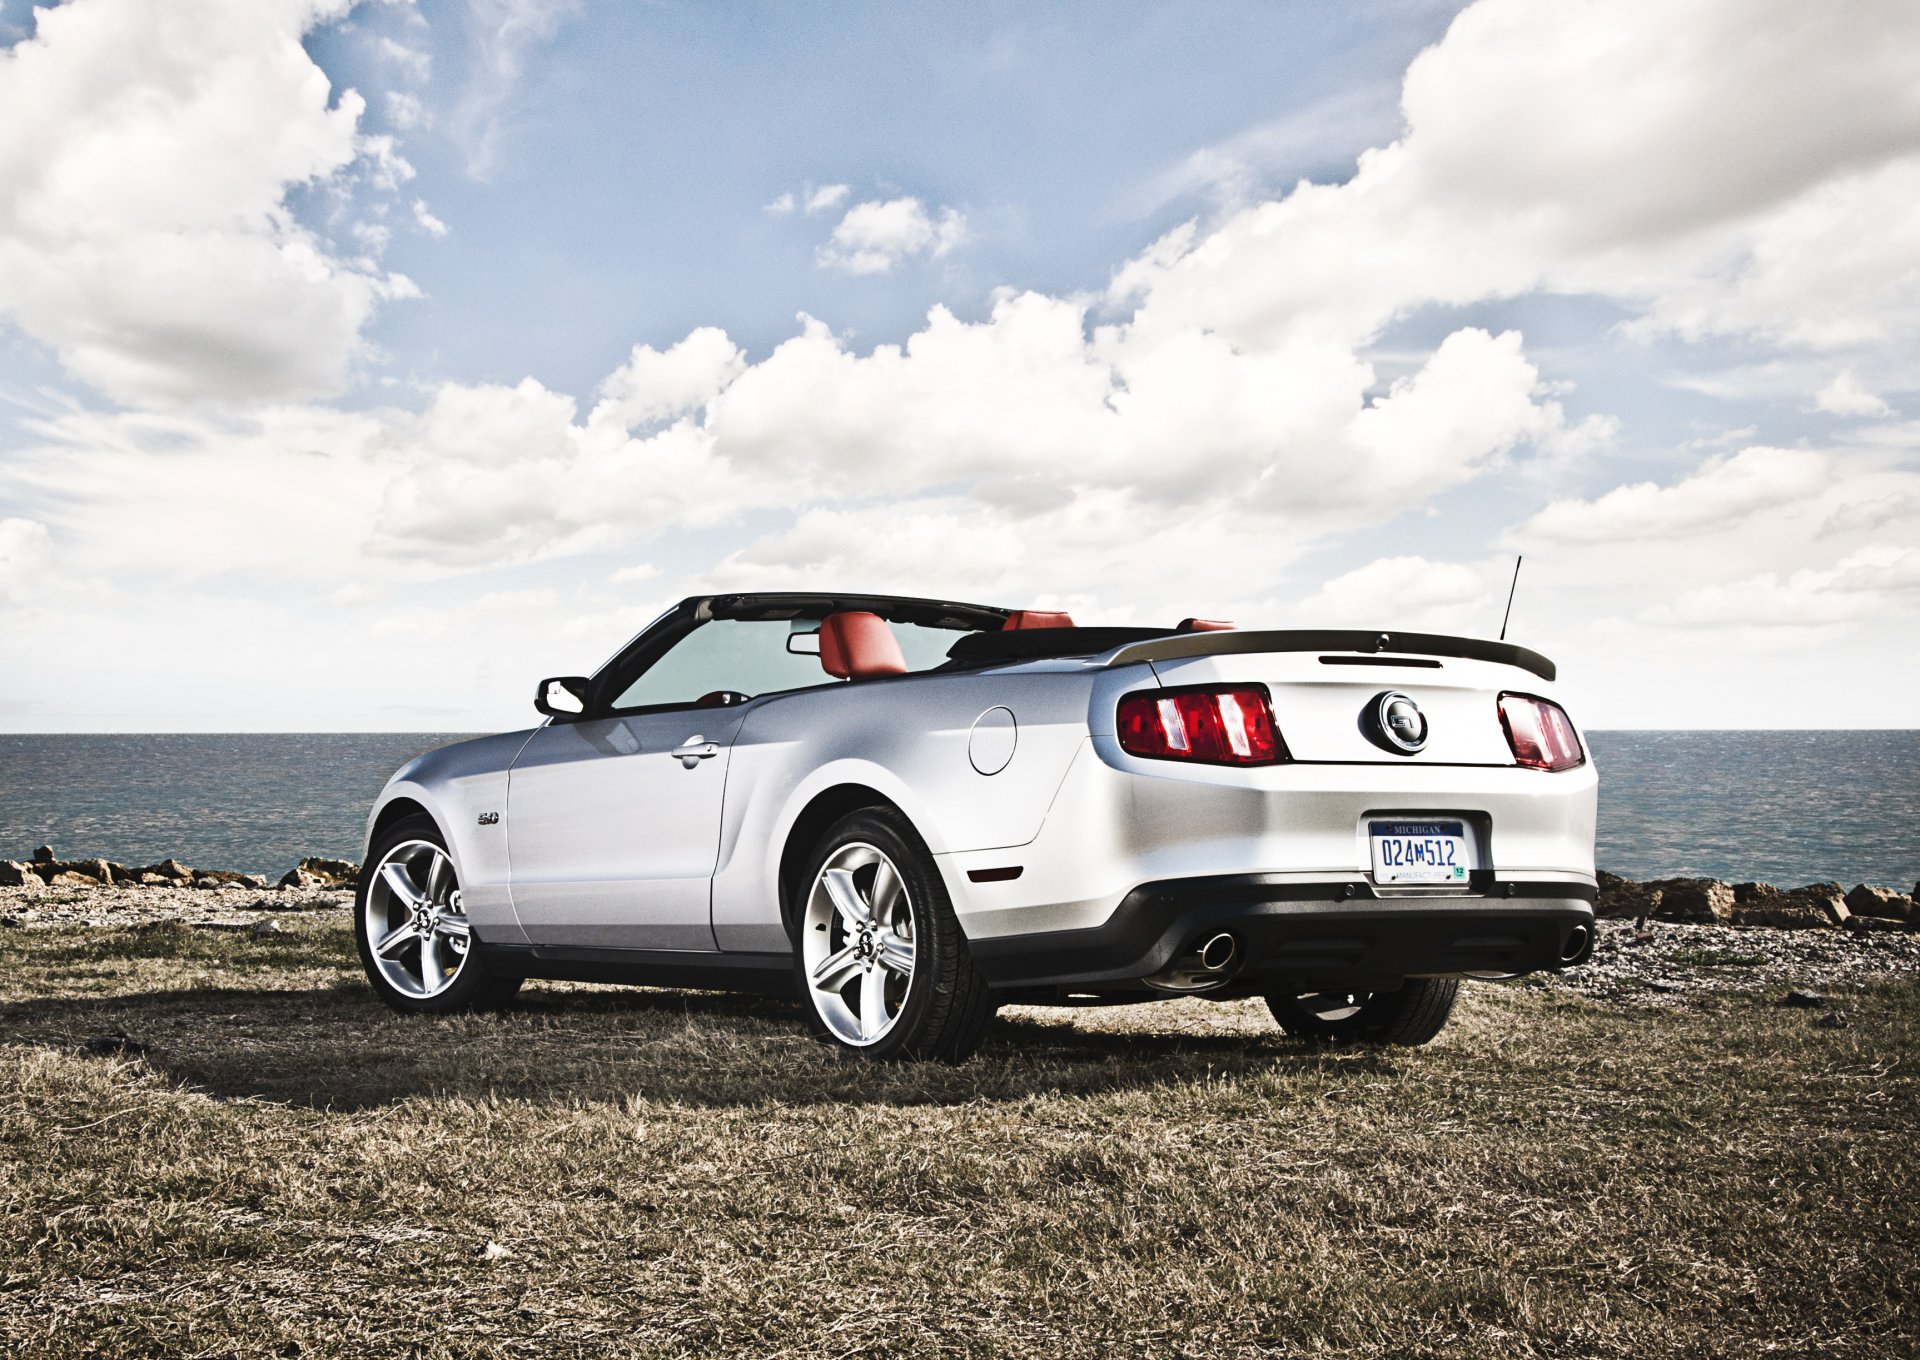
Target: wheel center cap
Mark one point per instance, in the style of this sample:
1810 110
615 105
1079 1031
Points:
866 946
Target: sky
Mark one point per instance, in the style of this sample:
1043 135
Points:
361 364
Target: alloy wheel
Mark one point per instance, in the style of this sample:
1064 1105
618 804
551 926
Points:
857 945
416 928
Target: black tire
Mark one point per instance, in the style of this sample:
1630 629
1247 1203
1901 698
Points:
473 988
1411 1015
947 1005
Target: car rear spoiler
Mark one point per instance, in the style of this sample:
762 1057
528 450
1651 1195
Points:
1177 646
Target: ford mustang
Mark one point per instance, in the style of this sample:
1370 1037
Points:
907 812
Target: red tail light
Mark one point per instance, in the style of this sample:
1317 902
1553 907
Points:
1540 733
1227 725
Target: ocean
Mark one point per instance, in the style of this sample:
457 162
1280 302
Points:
1782 807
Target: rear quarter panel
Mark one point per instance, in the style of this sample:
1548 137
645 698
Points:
906 738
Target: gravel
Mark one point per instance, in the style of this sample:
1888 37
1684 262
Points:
1667 957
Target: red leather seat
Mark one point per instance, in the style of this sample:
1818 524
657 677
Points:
1035 618
1204 626
855 644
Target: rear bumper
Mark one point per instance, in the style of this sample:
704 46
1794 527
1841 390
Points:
1305 935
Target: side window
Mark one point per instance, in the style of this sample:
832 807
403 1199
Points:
748 656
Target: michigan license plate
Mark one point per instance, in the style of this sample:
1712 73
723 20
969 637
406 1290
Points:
1420 852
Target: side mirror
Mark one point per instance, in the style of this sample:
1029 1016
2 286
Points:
564 696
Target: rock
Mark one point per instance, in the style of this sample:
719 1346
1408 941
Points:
14 874
168 868
297 878
1881 902
115 1045
1867 924
1700 901
44 855
97 869
1817 906
267 927
332 873
1623 899
1745 894
1804 1000
66 878
493 1251
147 878
1831 1020
205 882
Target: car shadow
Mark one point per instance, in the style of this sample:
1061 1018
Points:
337 1048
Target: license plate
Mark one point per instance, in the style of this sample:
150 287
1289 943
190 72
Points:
1420 852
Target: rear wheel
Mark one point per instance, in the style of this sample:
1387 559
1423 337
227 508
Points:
1413 1014
881 959
411 926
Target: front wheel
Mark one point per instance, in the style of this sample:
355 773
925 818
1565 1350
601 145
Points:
410 924
1412 1015
881 958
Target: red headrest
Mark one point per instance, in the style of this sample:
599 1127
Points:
855 644
1035 618
1204 626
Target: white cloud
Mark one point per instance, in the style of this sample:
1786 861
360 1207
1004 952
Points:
653 385
1844 396
1725 490
405 111
875 236
25 551
827 198
1410 592
779 207
427 222
1673 155
1880 583
144 232
502 35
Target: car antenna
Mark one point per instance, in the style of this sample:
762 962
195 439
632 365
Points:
1510 591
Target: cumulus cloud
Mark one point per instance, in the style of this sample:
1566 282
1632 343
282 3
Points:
1844 396
1688 158
827 198
1724 490
144 230
875 236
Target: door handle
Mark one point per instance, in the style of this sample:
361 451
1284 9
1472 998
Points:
696 749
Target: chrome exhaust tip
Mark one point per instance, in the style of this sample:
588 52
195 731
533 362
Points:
1218 952
1200 967
1579 939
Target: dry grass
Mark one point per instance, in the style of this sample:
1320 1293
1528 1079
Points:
293 1171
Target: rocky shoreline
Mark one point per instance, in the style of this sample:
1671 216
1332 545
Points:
46 868
1711 902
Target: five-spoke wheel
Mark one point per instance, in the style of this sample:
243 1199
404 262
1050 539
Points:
415 940
418 933
858 942
882 962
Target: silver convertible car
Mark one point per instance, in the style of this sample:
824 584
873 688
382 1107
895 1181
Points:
907 812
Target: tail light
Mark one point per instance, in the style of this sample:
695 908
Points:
1226 725
1540 733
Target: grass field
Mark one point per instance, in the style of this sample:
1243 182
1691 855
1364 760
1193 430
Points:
291 1170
